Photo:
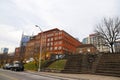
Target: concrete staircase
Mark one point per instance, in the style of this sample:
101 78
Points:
102 63
81 63
73 64
109 64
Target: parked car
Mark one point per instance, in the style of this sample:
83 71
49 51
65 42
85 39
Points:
7 66
17 66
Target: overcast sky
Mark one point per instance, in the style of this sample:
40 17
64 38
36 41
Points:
77 17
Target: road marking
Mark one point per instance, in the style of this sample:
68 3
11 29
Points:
11 78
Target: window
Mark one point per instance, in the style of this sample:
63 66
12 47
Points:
60 32
56 38
80 51
88 49
48 39
60 47
51 48
56 34
51 39
60 37
55 43
51 43
60 42
55 48
49 35
47 48
48 44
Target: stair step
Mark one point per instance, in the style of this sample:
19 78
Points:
104 71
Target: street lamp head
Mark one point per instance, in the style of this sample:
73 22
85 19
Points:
36 26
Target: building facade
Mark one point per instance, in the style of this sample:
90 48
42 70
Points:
117 46
53 41
87 48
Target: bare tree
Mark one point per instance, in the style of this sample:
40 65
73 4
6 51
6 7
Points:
109 30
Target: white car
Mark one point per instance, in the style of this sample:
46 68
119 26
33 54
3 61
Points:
7 66
17 66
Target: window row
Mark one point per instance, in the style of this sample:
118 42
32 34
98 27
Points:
55 48
52 34
58 33
55 43
55 38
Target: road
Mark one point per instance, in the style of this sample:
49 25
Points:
12 75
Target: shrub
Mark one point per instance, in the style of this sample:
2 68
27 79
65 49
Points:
31 66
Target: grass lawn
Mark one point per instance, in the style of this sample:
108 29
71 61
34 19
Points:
58 65
30 66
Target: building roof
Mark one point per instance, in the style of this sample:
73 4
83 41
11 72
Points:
86 45
55 29
71 36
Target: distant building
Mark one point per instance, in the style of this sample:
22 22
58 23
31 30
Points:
17 54
85 40
117 46
54 41
10 57
20 51
24 40
87 48
4 50
98 42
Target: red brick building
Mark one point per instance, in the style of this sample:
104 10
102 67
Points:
17 54
54 41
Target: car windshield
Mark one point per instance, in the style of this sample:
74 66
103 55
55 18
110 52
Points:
8 64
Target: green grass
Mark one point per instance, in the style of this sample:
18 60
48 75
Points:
58 65
30 66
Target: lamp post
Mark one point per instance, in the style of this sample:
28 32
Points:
39 67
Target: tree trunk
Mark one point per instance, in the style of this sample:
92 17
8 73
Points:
112 49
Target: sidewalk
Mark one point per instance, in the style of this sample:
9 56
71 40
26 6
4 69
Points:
77 76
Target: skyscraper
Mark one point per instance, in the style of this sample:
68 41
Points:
98 42
4 50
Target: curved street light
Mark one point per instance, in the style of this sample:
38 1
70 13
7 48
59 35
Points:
39 67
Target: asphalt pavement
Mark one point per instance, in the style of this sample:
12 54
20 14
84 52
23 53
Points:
76 76
34 75
23 75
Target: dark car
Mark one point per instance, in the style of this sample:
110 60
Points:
17 66
7 66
